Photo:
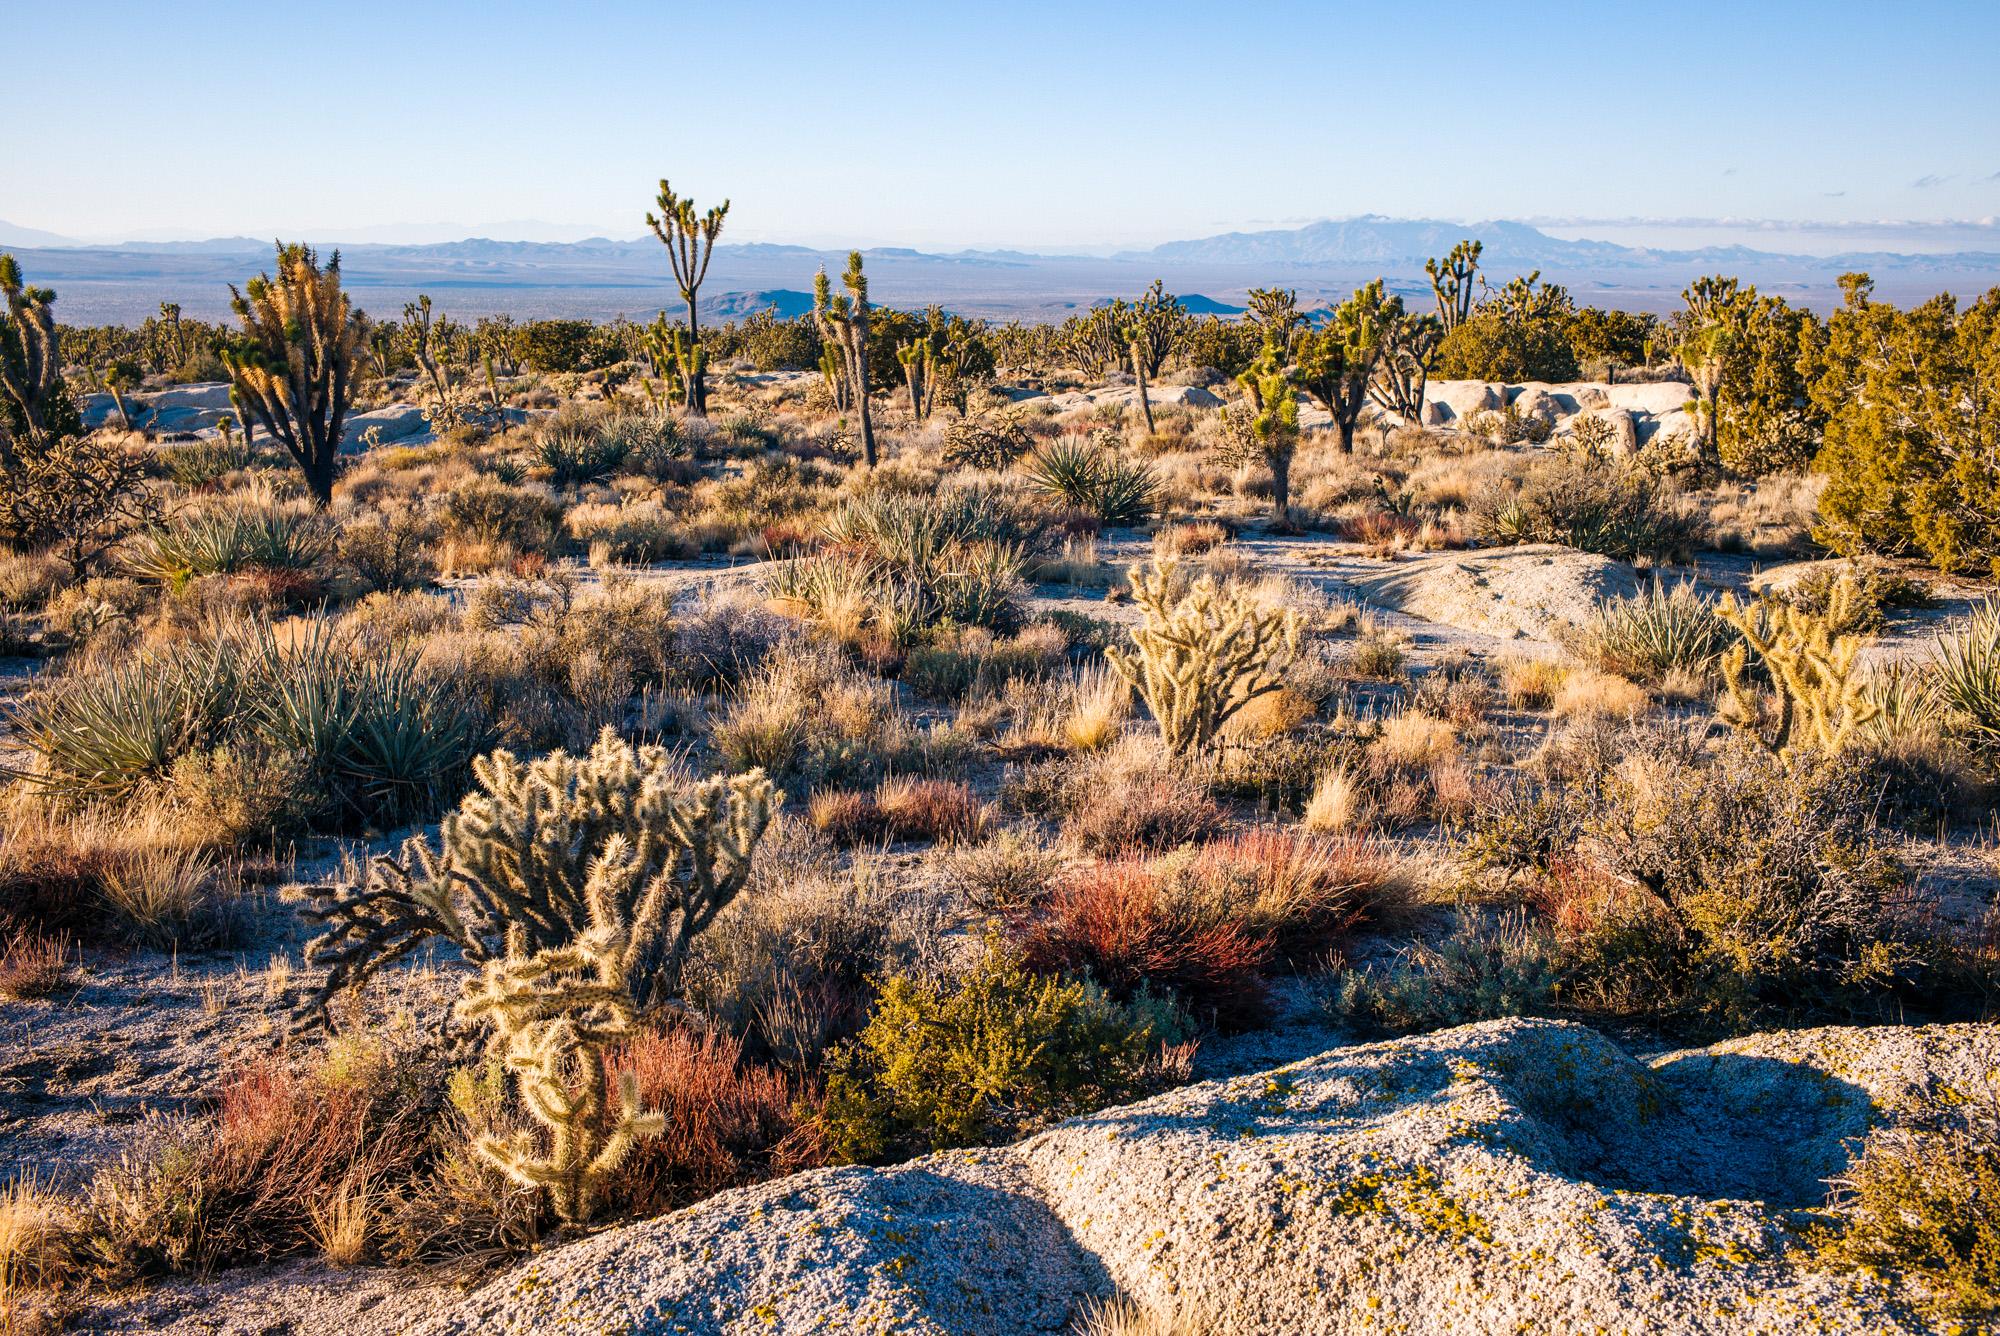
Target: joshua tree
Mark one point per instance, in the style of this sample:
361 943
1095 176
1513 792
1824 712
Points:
1276 312
37 405
1135 337
294 362
1158 324
690 242
1451 282
1405 372
421 332
119 379
843 321
1705 354
1275 425
1337 363
173 338
1710 297
919 361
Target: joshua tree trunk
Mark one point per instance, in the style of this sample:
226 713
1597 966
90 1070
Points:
861 390
1281 489
1139 372
697 379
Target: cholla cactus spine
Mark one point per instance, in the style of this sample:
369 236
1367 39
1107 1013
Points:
1201 657
1820 703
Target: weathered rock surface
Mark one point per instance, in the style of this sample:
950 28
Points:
1510 1176
1538 591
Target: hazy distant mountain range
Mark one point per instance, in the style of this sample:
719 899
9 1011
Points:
600 277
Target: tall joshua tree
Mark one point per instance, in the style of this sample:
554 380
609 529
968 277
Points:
1276 312
293 364
1337 363
1135 335
1451 282
843 321
37 406
1410 348
690 241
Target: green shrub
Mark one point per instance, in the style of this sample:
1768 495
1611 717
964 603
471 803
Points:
1487 969
986 1058
1618 511
1922 1204
1908 467
1769 891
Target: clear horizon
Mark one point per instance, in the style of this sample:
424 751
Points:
1079 127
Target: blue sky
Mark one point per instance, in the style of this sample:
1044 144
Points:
1028 123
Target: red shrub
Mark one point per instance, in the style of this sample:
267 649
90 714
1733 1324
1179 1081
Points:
1380 527
729 1122
1118 923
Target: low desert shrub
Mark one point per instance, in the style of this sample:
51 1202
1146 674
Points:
256 1181
809 720
1617 511
1132 929
1490 967
986 1057
900 811
729 1121
1771 892
33 964
1918 1206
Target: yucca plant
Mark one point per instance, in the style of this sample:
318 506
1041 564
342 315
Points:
223 541
983 587
103 734
576 453
1095 478
1905 698
1968 674
1660 631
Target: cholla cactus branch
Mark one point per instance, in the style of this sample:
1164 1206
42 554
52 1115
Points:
519 857
553 1014
1202 655
1820 703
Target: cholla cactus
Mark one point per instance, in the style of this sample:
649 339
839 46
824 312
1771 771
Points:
1201 656
518 854
553 1013
1820 704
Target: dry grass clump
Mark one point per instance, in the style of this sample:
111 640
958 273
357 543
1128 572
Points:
809 719
34 964
900 810
1124 797
1125 1317
1586 693
1531 682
